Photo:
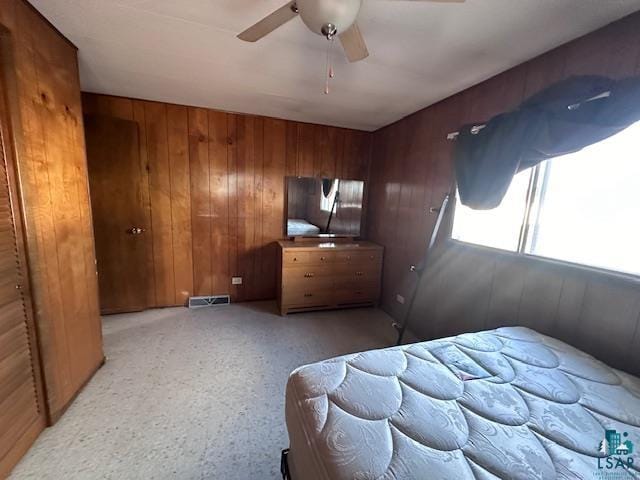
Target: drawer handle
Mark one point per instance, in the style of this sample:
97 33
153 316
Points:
322 259
308 275
371 257
295 259
359 274
308 294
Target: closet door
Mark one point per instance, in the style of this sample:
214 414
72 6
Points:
21 406
119 221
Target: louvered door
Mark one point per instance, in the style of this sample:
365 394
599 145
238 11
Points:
21 406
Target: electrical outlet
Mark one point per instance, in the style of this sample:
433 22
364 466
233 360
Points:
400 299
236 281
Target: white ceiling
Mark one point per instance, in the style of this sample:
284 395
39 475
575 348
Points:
186 52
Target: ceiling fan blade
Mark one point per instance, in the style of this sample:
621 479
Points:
353 44
269 23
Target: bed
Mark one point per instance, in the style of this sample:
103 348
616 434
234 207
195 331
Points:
298 226
506 403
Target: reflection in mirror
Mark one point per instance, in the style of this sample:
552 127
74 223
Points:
323 206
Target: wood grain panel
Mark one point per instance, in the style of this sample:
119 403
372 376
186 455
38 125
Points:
291 153
119 107
132 110
540 298
200 175
41 236
497 95
327 151
178 144
412 167
139 118
42 88
469 288
543 71
353 163
67 213
614 305
115 178
273 200
232 199
507 285
222 200
161 205
214 185
612 50
249 168
307 151
567 317
450 281
23 409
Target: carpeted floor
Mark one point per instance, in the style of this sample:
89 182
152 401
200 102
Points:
194 394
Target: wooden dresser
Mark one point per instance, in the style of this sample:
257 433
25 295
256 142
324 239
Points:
322 275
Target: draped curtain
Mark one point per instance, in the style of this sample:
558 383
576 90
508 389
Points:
561 119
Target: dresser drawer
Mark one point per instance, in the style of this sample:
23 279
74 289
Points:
362 294
356 275
304 298
368 257
290 258
308 284
293 276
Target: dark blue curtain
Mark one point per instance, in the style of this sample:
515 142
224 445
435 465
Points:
554 122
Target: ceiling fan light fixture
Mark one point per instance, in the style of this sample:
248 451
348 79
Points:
318 15
329 30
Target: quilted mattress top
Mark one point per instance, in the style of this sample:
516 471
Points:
507 403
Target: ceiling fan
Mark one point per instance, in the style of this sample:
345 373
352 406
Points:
324 17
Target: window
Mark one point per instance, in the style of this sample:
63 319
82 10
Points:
497 228
583 208
327 201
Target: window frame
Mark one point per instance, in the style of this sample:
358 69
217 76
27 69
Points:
523 240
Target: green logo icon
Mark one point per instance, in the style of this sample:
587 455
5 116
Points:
616 456
615 443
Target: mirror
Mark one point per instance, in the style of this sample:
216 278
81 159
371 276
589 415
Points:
323 206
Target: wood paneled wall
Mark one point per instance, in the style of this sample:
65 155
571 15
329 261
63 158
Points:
215 191
412 159
46 122
468 288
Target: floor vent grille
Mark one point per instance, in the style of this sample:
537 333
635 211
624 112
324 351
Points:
210 301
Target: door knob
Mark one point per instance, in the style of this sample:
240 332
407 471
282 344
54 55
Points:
136 231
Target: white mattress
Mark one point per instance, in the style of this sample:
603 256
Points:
297 226
503 404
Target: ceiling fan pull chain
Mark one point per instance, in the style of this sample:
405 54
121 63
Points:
331 73
328 68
